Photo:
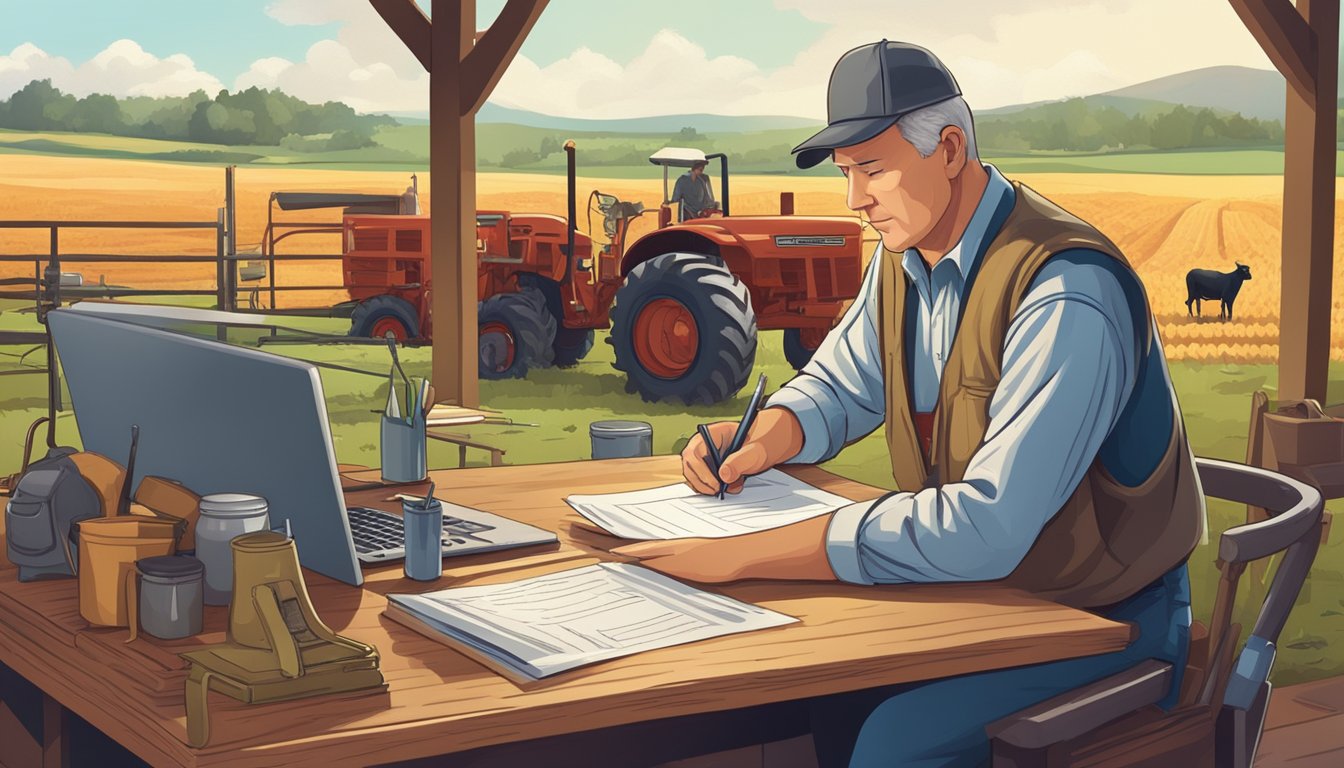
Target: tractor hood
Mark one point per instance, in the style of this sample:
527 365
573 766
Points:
778 231
754 238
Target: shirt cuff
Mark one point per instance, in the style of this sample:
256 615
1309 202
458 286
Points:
817 438
842 542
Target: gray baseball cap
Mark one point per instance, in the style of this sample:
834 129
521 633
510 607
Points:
871 88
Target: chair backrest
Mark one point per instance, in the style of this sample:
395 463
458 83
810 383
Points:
1293 528
1305 441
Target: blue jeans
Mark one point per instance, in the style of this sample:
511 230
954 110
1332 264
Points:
942 723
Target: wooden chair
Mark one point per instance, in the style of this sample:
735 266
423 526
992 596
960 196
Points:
1221 710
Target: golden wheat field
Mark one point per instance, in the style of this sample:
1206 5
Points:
1165 224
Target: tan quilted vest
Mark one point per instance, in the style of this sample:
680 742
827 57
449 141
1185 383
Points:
1108 541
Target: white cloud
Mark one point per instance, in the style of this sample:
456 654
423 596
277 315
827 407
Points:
1004 53
672 75
121 69
27 63
366 65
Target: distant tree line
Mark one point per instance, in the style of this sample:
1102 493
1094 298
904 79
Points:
1081 125
622 154
255 116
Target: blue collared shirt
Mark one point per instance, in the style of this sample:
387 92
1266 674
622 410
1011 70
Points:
1070 361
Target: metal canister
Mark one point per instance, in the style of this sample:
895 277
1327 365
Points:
171 596
424 534
224 517
621 439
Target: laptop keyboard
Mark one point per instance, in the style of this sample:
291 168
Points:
374 530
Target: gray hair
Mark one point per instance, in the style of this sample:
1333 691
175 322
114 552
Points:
924 127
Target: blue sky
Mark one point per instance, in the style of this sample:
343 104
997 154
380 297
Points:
604 59
240 31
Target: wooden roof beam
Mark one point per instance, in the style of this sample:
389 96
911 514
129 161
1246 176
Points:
1286 38
495 48
410 24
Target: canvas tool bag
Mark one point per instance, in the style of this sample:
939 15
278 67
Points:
278 649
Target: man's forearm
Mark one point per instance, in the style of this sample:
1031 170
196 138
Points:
795 551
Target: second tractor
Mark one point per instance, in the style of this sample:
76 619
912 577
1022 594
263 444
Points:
684 302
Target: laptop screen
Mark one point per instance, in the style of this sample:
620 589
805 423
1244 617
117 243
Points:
214 417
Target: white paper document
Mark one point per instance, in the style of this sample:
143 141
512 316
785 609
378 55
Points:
768 500
556 622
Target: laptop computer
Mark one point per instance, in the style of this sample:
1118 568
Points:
221 418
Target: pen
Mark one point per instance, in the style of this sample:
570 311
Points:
744 426
714 460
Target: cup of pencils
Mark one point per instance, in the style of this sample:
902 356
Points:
403 425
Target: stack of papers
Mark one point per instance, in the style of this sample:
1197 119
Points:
444 415
540 626
768 500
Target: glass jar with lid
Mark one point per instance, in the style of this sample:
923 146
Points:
225 516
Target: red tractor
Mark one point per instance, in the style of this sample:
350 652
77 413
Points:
684 302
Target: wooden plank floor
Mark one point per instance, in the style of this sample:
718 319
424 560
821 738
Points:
1305 726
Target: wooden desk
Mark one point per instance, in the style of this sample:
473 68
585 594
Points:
442 702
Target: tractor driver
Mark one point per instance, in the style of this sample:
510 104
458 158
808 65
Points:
1033 429
694 193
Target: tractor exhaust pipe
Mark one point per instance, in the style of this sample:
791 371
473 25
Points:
723 178
569 180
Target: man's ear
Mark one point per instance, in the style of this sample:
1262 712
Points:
952 149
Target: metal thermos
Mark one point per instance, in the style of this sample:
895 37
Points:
171 596
224 517
424 534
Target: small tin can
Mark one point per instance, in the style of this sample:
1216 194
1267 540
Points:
621 439
424 534
171 596
225 516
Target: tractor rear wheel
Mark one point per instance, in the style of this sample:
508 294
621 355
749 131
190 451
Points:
377 315
683 327
800 344
516 333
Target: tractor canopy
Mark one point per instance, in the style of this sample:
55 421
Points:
686 157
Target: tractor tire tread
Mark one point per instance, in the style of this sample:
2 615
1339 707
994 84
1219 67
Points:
533 328
720 303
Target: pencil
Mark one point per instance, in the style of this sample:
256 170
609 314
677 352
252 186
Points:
713 458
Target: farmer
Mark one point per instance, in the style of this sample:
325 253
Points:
694 193
1034 434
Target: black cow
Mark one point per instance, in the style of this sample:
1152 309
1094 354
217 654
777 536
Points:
1223 286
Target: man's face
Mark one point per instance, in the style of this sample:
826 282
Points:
902 194
697 170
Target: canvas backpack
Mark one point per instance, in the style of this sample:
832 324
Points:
51 496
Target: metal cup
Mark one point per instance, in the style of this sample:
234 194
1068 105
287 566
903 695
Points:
424 534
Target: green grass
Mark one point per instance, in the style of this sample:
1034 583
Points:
553 408
406 147
1208 162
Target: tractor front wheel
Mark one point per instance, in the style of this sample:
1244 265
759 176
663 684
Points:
800 344
377 315
683 328
516 334
572 345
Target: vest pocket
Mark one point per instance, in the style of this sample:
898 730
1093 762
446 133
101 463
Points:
968 421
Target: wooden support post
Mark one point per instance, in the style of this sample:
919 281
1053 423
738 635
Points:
452 171
464 67
1309 216
1304 46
